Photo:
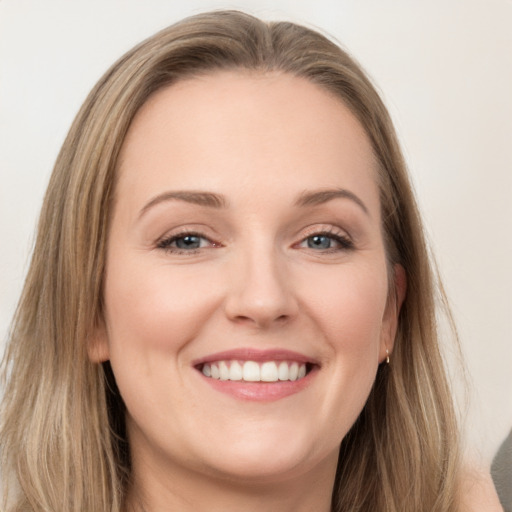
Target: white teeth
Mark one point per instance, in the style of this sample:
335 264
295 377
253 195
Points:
235 371
269 372
294 371
215 372
283 371
223 370
251 371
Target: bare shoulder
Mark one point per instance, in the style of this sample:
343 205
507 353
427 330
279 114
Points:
479 493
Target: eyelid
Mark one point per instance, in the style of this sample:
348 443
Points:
324 229
164 243
341 236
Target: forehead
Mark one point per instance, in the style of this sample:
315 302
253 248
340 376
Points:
241 126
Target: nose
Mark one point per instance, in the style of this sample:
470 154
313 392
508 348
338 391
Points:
261 292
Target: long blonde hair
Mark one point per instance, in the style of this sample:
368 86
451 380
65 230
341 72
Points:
62 438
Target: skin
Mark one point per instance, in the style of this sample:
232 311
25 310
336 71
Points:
256 281
477 491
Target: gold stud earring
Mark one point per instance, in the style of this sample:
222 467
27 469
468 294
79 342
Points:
387 356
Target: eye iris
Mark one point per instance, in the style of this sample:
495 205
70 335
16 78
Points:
188 242
319 242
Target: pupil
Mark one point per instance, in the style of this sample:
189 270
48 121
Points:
319 242
188 242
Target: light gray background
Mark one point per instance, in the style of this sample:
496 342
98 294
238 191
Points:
445 70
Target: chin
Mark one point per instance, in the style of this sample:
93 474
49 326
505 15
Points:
262 468
268 459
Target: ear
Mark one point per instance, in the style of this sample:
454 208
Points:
97 344
390 320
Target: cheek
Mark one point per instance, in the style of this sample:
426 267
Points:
152 314
155 307
347 306
350 305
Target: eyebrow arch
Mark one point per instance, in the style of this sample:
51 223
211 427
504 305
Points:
318 197
207 199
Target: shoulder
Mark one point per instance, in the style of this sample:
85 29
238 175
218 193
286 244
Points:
478 491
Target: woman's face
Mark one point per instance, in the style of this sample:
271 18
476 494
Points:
246 283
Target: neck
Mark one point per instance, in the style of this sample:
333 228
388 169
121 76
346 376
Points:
190 491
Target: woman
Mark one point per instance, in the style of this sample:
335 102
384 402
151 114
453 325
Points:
230 304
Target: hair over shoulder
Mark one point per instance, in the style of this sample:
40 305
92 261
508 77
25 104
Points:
62 438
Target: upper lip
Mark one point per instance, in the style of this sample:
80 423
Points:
257 355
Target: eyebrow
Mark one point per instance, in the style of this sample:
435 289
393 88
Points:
207 199
317 197
211 200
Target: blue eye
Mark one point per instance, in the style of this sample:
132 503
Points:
327 242
186 242
319 242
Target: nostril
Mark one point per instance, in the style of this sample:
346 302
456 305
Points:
261 320
241 319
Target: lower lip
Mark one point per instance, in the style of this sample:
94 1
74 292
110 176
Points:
260 391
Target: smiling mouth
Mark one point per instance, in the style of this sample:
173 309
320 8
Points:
253 371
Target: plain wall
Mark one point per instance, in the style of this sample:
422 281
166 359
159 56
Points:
444 68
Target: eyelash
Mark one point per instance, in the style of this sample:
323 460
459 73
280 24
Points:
344 243
165 243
